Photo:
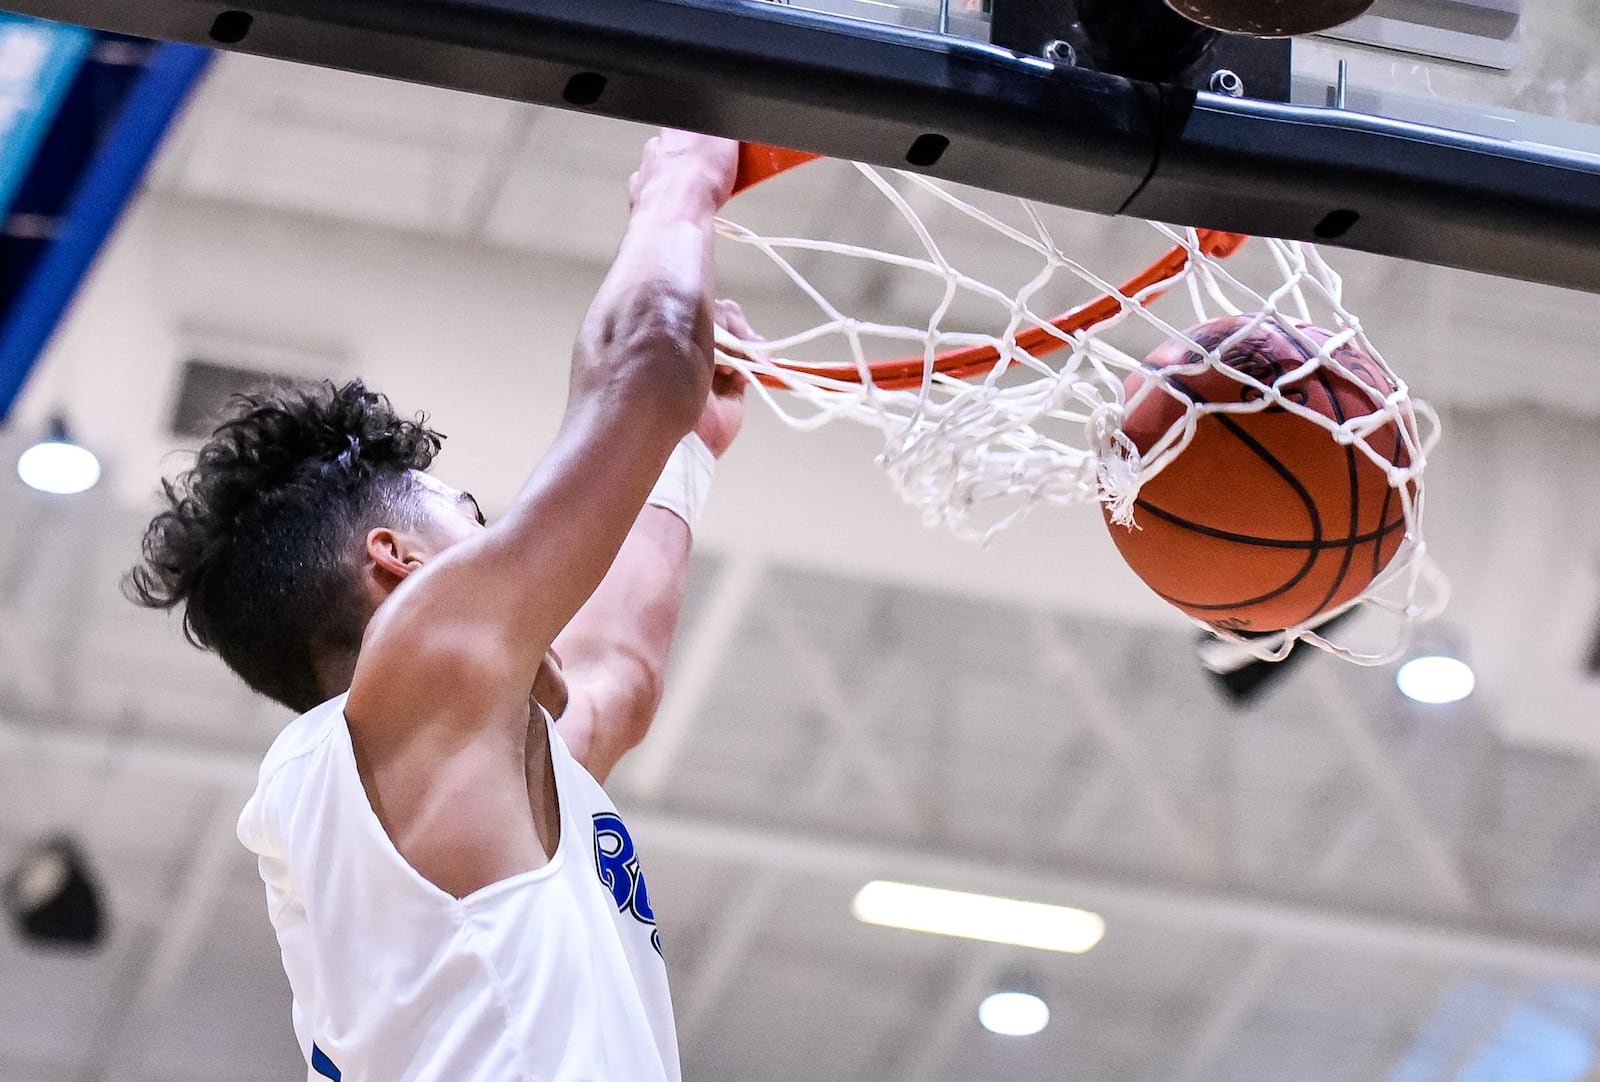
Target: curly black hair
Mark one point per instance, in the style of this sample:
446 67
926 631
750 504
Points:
261 540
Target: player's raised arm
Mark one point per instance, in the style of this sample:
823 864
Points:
310 548
471 628
614 651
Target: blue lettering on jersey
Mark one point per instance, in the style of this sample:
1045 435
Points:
618 867
323 1065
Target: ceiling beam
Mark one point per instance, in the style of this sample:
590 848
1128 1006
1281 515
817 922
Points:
930 1045
1061 665
1236 909
164 759
738 926
180 934
700 654
1228 1011
1481 939
1359 824
1433 854
846 719
522 122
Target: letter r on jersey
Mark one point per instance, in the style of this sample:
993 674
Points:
618 867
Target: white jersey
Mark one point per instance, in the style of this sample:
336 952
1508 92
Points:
553 975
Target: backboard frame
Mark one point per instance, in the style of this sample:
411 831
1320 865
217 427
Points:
759 71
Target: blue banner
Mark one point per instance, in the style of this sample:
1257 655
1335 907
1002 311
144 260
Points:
98 197
38 61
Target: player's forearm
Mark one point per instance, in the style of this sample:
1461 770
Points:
614 651
647 338
641 372
668 241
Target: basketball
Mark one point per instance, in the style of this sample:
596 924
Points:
1264 521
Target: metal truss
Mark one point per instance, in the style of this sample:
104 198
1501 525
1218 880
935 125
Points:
1196 884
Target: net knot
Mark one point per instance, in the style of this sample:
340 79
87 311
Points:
1117 476
1105 424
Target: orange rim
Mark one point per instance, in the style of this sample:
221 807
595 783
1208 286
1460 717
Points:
758 162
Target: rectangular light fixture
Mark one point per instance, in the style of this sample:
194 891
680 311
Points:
978 916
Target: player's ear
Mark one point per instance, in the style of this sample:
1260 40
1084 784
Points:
391 553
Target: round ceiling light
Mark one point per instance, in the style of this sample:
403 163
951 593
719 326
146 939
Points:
59 467
1435 678
1013 1014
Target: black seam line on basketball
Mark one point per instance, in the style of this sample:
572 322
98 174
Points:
1316 545
1354 472
1269 596
1277 467
1266 456
1310 505
1231 606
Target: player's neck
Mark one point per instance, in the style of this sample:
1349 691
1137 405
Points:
335 670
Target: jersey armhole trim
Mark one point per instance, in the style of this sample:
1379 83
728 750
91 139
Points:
385 844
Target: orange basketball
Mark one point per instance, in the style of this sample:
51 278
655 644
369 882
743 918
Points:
1263 522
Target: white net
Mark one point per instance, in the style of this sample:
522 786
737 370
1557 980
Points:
991 402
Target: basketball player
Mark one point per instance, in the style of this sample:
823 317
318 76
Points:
455 897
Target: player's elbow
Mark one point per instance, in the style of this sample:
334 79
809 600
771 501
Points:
631 695
640 699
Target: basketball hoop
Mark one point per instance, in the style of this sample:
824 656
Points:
982 425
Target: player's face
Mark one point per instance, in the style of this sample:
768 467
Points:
454 516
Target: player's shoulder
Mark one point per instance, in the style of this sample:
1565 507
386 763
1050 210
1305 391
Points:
301 739
299 742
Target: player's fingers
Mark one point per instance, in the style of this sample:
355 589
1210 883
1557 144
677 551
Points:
732 319
675 141
647 160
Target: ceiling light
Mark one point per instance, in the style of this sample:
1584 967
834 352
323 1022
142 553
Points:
1014 1014
58 465
52 897
978 916
1435 678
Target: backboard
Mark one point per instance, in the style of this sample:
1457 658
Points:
1469 134
1499 68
